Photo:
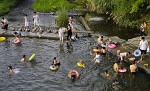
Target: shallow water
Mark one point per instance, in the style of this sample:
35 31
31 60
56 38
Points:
36 76
109 28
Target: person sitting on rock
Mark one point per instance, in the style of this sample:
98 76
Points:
133 68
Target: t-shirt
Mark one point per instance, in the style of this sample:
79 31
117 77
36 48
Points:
35 18
98 58
124 54
143 45
61 30
5 21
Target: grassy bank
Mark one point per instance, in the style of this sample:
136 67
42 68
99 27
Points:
53 5
6 5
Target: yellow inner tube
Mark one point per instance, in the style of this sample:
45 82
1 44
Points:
80 64
96 50
53 68
2 38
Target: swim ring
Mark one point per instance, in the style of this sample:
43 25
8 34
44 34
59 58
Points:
71 72
80 64
131 59
96 50
17 42
137 53
111 46
2 39
122 70
31 57
53 68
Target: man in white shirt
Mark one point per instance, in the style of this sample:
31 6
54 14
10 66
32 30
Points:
35 19
143 45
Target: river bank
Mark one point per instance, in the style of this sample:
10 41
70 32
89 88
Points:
6 5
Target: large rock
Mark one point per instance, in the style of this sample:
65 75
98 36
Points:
117 40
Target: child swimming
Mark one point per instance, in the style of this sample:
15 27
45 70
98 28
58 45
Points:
23 58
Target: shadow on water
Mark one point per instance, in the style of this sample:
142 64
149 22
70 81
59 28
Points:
108 28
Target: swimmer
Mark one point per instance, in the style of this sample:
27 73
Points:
124 55
16 39
116 66
100 40
11 72
73 75
23 58
133 68
56 62
116 85
103 51
106 74
97 58
17 34
115 82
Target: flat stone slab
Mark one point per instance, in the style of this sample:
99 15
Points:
44 35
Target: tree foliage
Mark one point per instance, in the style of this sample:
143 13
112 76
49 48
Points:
124 12
5 5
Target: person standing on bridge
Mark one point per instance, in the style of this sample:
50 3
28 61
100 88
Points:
26 23
61 34
69 32
5 22
35 19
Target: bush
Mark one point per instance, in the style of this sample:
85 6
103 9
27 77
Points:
52 5
5 5
62 19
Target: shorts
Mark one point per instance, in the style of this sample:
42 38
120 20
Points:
6 26
26 24
103 54
143 51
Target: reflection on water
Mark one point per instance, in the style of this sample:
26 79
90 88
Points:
36 75
108 28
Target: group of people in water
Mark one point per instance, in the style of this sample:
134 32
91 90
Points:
133 58
101 50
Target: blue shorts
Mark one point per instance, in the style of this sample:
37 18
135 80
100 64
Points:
143 51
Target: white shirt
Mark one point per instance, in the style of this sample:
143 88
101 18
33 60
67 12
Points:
98 58
5 21
61 31
36 18
143 45
123 54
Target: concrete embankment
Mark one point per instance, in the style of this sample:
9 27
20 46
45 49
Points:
125 46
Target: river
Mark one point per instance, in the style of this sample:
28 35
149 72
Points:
36 76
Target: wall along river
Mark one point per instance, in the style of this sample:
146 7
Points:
36 76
